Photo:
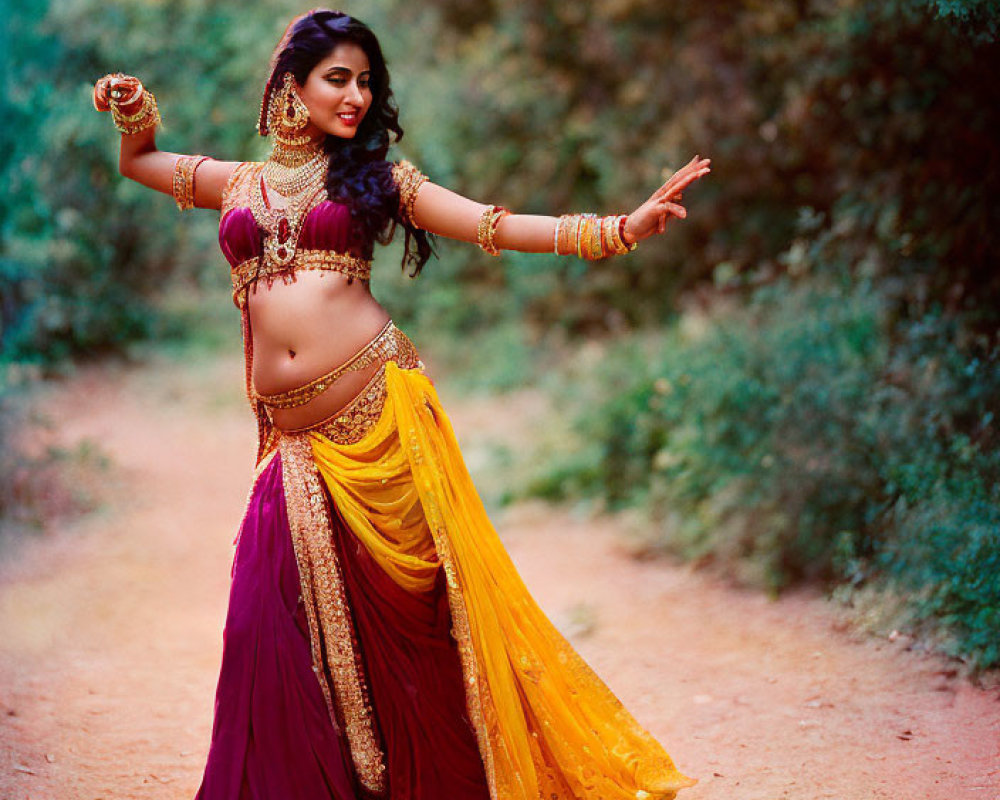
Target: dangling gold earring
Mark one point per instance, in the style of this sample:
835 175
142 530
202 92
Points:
289 115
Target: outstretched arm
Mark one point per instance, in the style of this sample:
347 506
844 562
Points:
446 213
139 158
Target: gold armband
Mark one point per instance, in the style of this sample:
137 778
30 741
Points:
148 115
184 172
590 237
489 222
409 179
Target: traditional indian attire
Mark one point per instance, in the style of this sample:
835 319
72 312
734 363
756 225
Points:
379 642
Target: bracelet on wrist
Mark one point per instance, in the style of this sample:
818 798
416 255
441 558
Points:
590 237
148 115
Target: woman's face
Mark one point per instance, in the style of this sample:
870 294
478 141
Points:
338 92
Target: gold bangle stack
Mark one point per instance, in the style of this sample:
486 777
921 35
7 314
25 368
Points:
591 237
489 222
184 171
148 115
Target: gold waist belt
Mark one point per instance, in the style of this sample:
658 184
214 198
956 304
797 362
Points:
389 344
248 272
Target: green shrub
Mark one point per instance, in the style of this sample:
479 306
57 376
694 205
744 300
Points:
792 439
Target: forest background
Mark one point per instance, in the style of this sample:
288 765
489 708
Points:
798 383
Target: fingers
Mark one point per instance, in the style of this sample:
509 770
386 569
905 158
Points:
116 88
674 208
685 176
103 94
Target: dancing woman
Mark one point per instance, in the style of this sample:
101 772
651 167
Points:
379 642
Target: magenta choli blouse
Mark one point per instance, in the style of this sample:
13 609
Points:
327 239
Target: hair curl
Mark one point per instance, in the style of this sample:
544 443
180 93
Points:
358 174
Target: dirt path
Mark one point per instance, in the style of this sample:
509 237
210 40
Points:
110 631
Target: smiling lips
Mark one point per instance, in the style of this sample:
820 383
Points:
350 118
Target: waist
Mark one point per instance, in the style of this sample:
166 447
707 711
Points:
389 344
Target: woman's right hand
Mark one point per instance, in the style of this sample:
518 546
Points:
125 91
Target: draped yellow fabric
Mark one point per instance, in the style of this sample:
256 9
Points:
547 726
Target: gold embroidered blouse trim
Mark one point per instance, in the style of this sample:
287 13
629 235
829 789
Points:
252 270
389 343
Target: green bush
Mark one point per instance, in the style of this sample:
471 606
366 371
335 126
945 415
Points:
792 439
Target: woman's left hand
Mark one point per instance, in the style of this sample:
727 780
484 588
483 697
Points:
651 217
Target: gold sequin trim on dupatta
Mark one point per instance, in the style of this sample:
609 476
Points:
331 633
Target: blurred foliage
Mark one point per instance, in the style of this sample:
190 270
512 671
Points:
879 116
835 421
786 440
824 408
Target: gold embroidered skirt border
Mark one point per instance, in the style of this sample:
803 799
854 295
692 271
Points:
327 611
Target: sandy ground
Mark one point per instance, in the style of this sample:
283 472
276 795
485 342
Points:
110 629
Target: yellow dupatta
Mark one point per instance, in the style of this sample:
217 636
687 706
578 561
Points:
547 726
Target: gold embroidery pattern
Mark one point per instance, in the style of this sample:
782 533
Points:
248 272
237 190
409 179
237 194
352 422
330 629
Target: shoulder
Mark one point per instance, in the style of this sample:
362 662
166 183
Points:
237 189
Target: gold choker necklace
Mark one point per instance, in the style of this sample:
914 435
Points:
290 171
296 152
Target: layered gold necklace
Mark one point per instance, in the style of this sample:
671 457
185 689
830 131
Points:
296 170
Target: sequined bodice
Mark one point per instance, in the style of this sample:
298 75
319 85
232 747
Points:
326 227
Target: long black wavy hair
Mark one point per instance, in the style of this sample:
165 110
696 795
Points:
358 174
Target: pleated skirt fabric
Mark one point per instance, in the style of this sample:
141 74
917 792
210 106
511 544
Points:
273 737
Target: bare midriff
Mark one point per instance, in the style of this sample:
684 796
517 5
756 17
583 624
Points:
302 330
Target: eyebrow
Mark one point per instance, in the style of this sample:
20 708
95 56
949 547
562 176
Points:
332 70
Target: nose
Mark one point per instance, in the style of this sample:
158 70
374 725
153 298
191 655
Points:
355 95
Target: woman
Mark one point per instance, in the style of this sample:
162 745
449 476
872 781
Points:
379 642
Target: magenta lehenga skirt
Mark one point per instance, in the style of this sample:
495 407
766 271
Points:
273 737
